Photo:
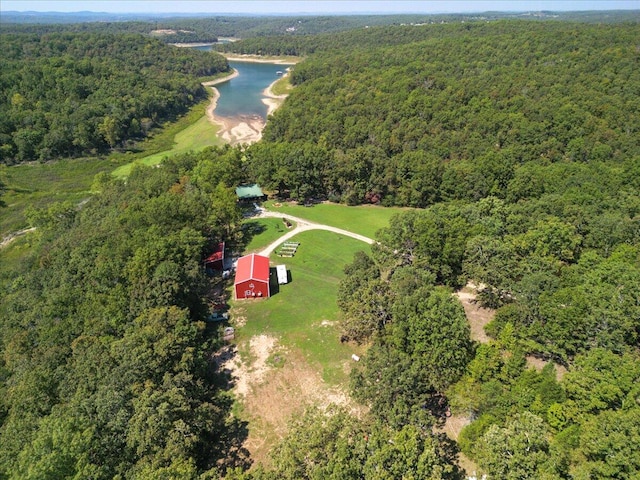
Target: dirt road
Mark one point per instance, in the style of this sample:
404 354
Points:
12 236
303 225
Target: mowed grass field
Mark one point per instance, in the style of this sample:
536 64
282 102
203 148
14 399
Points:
364 219
303 314
195 137
261 232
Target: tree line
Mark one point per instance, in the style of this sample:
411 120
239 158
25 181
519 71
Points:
455 115
71 94
107 364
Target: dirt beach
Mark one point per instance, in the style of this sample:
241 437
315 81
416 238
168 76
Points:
243 129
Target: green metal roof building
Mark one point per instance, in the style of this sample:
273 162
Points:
249 192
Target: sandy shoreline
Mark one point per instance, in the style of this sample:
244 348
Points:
232 130
242 130
257 59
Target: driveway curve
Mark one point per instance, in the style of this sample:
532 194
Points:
303 225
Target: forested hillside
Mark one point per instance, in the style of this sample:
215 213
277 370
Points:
518 144
106 364
521 143
69 94
172 28
451 112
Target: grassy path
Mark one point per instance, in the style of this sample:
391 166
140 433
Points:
196 137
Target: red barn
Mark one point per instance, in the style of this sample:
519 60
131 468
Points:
215 261
252 277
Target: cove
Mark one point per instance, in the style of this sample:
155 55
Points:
242 96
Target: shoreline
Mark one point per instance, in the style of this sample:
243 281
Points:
234 131
242 130
273 101
258 59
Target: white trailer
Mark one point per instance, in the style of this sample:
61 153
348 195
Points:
281 270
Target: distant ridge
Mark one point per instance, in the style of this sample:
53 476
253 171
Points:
53 17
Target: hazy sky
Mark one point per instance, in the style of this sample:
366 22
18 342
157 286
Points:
312 6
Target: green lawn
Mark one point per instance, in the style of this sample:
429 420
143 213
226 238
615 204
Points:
365 220
260 232
303 314
282 86
195 137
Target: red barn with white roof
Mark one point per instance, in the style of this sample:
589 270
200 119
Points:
252 277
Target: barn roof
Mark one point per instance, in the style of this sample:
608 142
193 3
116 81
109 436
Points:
249 191
217 254
252 267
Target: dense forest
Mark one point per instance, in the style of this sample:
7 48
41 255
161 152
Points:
518 146
210 29
70 94
107 367
449 112
205 27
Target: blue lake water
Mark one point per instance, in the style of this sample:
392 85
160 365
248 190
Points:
242 95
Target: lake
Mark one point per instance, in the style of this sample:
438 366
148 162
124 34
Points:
242 96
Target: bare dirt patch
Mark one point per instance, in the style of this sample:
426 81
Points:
453 426
538 364
274 384
250 373
477 315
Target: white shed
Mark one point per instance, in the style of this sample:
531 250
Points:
281 270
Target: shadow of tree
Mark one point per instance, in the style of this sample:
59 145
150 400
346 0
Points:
250 229
448 450
228 441
236 455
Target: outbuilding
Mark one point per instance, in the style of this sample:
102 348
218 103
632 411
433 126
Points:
249 193
215 261
252 277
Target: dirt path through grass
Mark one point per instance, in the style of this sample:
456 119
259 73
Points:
12 236
303 225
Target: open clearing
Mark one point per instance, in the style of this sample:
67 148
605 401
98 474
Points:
288 353
195 137
477 315
38 185
363 219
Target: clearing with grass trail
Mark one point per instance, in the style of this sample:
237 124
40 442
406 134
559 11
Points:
302 226
288 353
275 374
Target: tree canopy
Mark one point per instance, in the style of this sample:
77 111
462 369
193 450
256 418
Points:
106 358
456 112
70 94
